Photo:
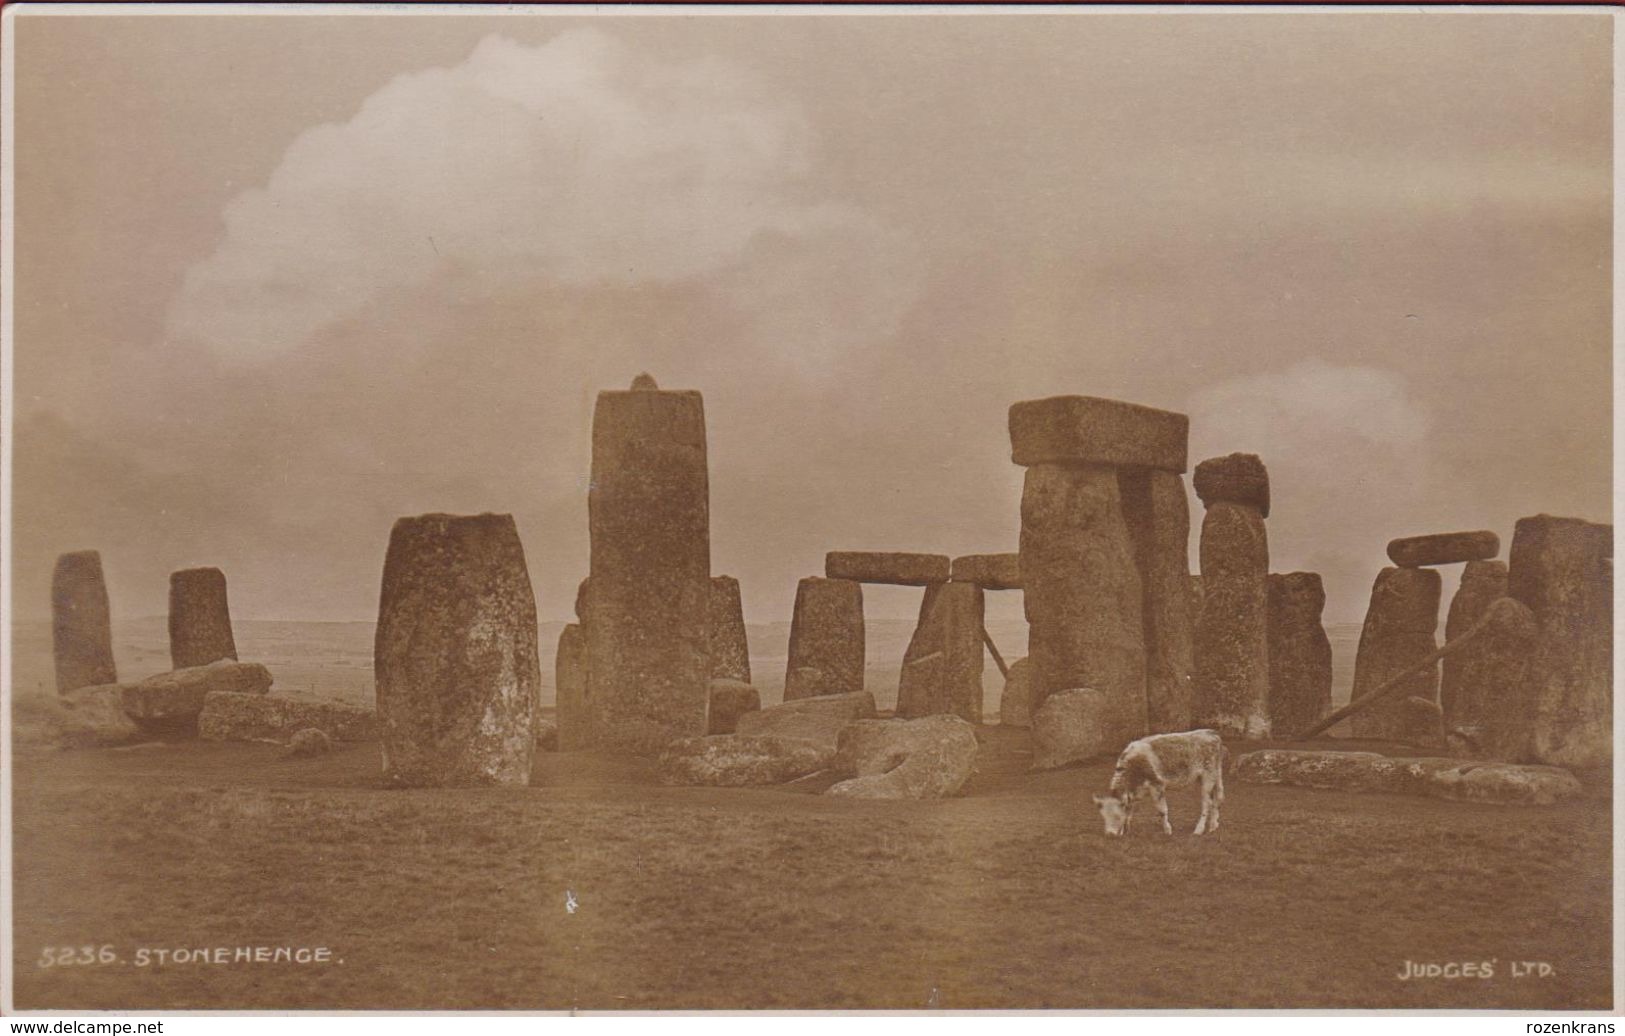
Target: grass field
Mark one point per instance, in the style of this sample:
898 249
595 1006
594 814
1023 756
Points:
1006 897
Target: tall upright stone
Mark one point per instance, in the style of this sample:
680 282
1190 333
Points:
827 636
649 666
1482 584
1562 570
81 623
199 618
1400 630
1300 653
1086 595
1232 635
729 645
1494 710
455 656
1159 521
942 670
570 689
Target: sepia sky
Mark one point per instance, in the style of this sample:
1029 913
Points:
280 280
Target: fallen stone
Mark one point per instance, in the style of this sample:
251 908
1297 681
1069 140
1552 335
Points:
199 618
928 758
988 571
826 634
1482 583
455 656
729 645
1072 726
648 663
738 760
85 717
1157 513
171 703
942 672
1562 570
1445 548
896 569
1300 654
1090 430
234 716
1016 703
1436 777
1232 684
1083 595
81 623
1399 632
1238 478
309 741
730 699
817 721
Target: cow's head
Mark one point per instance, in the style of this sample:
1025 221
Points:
1114 811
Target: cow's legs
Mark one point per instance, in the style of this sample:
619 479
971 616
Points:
1218 797
1161 800
1207 806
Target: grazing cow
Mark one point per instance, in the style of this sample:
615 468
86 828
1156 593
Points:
1162 761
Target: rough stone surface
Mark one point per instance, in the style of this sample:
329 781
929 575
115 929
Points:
1300 653
804 682
648 667
1562 570
817 721
1424 722
85 717
455 656
81 623
1074 725
170 703
309 741
729 645
927 758
199 618
730 699
1444 548
1016 703
897 569
1437 777
570 690
826 634
1083 596
1492 712
1399 631
738 760
547 734
988 571
1238 478
942 671
1232 636
234 716
1157 513
1089 430
1482 583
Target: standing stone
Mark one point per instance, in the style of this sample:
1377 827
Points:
1399 632
199 618
1562 570
81 623
1159 521
1482 583
826 634
942 673
1083 597
1493 711
1232 637
1016 703
729 647
649 517
1300 653
570 690
456 660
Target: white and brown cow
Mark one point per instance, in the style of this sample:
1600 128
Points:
1161 761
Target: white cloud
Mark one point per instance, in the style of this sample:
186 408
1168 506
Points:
576 164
